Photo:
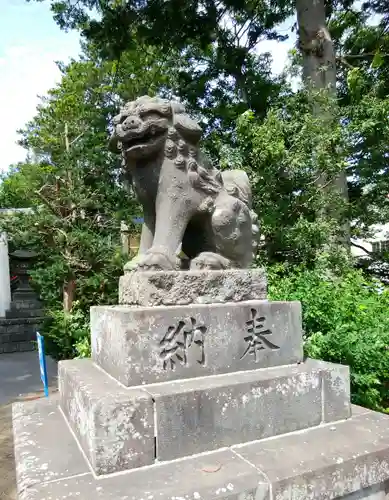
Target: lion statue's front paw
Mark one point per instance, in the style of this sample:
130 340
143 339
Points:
132 264
210 260
154 260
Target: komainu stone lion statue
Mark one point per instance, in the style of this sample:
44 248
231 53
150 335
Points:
186 201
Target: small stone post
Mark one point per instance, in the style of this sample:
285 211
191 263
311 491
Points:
5 288
125 238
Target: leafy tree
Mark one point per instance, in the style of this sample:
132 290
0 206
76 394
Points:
362 48
218 70
206 54
78 196
345 321
283 154
19 183
221 75
319 72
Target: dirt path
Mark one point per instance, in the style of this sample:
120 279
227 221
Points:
7 461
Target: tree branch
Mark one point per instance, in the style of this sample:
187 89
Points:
48 203
343 61
367 54
360 247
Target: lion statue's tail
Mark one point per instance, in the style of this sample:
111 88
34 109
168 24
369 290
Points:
237 184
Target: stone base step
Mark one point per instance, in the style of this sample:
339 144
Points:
9 347
122 428
16 313
18 334
14 325
348 459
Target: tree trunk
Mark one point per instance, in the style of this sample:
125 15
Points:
319 72
316 44
69 290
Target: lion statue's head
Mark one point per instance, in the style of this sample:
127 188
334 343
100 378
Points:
151 125
145 126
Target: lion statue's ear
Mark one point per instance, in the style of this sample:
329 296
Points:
188 128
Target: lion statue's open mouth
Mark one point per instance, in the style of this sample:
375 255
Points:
145 142
186 200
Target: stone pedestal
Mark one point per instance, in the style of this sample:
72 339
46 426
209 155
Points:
163 288
200 401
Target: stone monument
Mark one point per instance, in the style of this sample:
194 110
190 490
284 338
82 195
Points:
24 315
197 387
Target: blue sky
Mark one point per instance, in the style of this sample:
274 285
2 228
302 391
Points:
30 43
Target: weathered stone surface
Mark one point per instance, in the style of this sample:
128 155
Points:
191 287
45 449
346 460
219 475
140 346
198 415
18 334
114 426
23 312
9 347
186 201
326 462
358 410
202 415
376 492
25 302
336 390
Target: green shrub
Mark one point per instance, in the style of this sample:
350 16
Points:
345 320
67 333
83 347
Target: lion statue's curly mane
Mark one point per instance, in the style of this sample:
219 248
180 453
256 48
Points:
186 200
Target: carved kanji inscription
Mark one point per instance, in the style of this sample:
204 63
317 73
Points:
257 338
177 341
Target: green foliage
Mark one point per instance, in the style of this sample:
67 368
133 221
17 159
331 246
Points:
368 145
283 155
345 321
67 333
18 185
206 53
83 347
209 47
362 45
95 263
78 202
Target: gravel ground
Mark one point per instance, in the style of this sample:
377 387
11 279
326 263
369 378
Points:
7 462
